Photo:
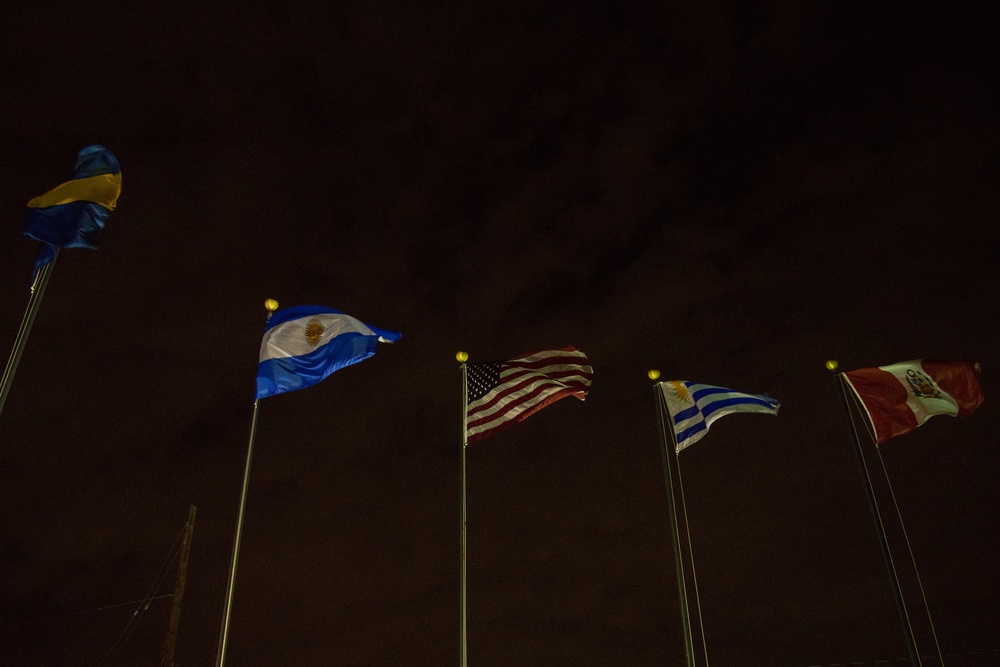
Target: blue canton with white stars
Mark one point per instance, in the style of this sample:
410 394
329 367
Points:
482 378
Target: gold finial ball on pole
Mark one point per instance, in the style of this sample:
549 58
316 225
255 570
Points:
462 356
653 374
831 364
271 305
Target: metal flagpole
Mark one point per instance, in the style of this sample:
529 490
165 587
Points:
37 291
674 531
220 657
224 632
911 645
687 532
463 641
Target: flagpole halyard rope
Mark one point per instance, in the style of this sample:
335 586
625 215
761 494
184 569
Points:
880 528
913 559
694 575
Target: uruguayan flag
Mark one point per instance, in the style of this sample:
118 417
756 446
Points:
693 407
304 344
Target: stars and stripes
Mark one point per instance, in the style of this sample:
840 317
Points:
503 393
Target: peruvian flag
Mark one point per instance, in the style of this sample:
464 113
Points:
901 397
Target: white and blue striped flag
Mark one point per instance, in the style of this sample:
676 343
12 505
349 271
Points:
302 345
693 407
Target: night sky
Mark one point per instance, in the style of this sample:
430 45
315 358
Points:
731 194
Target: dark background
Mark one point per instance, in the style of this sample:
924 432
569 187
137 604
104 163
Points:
731 193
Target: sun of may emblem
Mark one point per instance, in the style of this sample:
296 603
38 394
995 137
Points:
314 332
680 391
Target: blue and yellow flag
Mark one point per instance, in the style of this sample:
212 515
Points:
73 214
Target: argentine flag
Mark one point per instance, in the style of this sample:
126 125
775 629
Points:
693 407
304 344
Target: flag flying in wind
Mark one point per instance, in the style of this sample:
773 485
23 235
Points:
900 397
503 393
73 214
693 407
304 344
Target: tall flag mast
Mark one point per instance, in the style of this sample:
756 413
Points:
501 394
674 530
70 215
463 659
895 400
302 346
692 408
38 286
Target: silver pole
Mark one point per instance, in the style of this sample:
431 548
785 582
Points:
674 531
464 657
224 632
34 301
897 593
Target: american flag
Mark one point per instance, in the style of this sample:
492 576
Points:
502 393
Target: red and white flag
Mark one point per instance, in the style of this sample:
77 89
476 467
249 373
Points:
901 397
503 393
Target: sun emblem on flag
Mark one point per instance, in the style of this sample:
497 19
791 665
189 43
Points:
314 332
680 391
